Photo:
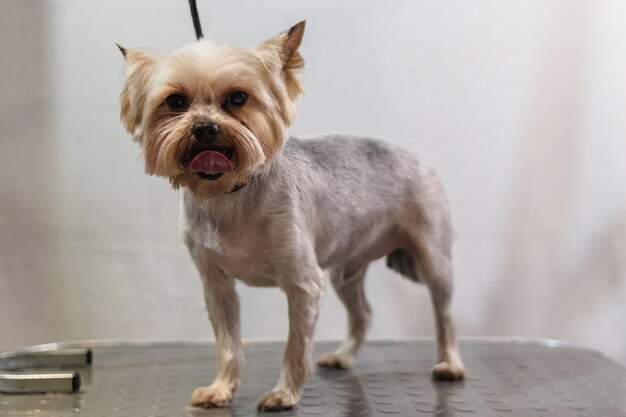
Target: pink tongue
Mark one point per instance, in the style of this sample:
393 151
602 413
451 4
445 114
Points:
210 162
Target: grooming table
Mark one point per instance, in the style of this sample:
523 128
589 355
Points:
505 377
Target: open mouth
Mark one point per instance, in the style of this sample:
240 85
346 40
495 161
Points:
209 163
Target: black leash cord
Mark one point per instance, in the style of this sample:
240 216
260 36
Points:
196 19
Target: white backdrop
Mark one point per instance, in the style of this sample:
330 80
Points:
518 105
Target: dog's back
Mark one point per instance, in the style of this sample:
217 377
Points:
366 193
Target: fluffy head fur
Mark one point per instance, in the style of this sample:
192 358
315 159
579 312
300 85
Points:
205 73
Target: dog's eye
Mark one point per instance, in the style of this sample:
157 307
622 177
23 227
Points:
237 98
176 102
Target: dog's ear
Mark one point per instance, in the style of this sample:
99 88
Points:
139 66
292 41
282 52
285 45
122 49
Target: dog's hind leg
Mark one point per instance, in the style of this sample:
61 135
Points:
349 285
434 268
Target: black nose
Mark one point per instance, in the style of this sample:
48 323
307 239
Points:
205 132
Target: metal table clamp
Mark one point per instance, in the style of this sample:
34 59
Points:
30 372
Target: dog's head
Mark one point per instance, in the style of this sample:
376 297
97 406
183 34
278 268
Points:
211 116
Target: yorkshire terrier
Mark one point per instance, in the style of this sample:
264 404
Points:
271 210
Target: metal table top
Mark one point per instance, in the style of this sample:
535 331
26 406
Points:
504 378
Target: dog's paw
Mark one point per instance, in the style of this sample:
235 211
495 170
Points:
448 371
276 400
215 395
335 360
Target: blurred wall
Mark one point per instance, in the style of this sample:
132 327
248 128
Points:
518 105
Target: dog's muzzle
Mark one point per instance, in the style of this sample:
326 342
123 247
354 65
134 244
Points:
209 160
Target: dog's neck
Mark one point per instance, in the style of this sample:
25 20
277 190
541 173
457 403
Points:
243 203
268 166
241 185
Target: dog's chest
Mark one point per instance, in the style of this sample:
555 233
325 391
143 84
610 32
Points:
238 252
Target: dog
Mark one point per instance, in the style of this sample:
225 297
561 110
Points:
270 210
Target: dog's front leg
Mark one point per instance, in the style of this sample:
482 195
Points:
303 305
223 307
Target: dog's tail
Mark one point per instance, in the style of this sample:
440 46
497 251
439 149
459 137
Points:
400 261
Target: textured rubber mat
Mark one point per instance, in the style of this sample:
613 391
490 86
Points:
390 378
